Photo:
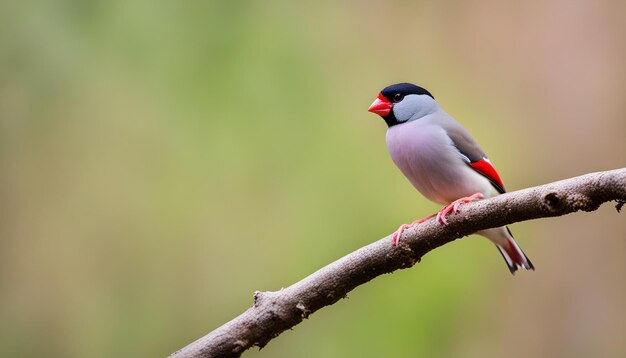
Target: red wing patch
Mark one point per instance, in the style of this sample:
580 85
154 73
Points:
485 168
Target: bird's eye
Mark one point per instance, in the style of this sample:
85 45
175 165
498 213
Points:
398 97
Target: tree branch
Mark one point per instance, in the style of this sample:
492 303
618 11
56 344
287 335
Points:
275 312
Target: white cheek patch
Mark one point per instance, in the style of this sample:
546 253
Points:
406 108
413 107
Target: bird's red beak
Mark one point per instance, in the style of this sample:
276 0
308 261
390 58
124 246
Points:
380 106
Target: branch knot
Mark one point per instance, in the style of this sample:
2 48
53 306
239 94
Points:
303 310
552 202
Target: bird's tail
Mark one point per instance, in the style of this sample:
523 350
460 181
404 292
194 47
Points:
513 255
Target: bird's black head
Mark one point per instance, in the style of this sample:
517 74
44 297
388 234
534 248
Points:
397 92
392 96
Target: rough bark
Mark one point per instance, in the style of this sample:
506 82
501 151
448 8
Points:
275 312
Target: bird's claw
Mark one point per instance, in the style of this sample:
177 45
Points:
454 207
441 216
396 235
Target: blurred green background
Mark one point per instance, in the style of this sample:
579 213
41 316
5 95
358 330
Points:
160 161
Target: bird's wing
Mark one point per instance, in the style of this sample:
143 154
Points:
486 169
472 154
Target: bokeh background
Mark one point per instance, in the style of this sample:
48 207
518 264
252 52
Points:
160 161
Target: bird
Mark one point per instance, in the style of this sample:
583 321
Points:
441 160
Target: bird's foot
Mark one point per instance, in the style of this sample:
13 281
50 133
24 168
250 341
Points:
396 235
454 207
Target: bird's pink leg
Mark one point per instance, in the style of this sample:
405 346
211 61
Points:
441 216
454 207
396 235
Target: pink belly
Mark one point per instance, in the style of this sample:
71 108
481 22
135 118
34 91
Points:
428 158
